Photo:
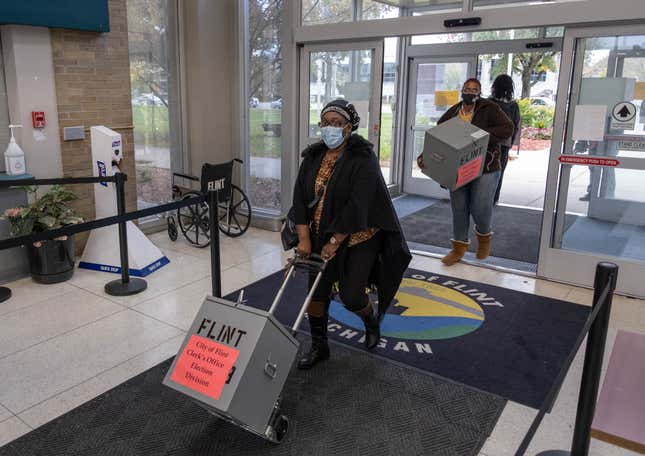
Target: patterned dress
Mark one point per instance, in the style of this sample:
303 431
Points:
324 173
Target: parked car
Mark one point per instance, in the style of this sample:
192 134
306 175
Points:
276 104
147 99
542 101
254 102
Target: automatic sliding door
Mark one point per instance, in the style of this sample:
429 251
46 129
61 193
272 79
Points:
596 186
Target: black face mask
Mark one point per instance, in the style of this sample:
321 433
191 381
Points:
469 98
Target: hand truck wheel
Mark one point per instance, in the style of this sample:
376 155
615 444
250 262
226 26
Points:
281 427
194 222
172 229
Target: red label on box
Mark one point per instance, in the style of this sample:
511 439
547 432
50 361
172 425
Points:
204 366
590 161
469 171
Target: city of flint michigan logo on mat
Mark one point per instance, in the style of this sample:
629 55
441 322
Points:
425 308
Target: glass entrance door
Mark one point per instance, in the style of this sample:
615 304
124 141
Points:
435 85
352 71
595 196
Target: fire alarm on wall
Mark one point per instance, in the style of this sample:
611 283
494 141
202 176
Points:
38 119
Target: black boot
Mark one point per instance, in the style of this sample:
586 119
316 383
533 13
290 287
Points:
319 350
372 327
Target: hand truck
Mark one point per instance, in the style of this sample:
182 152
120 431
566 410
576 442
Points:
248 392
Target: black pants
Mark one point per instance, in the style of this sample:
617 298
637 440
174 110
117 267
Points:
359 261
503 158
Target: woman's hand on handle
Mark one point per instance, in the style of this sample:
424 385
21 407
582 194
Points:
328 251
304 248
304 241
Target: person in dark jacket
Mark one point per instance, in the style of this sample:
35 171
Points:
476 198
343 212
503 91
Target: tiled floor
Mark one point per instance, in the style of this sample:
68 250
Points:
61 345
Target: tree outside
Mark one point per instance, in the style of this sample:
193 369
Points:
265 102
149 73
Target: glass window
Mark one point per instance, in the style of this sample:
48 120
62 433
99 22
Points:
496 3
388 106
433 78
325 11
340 74
155 105
423 7
265 103
554 32
4 111
463 37
371 9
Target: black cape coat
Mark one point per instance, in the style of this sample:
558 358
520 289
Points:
357 198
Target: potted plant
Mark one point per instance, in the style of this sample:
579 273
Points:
50 261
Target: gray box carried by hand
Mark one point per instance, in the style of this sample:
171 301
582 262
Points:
454 153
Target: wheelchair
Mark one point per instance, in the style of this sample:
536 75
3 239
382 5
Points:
233 214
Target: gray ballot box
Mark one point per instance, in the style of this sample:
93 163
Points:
454 153
235 360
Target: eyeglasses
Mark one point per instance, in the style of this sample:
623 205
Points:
471 91
334 123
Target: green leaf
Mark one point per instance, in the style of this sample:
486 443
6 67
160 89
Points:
48 221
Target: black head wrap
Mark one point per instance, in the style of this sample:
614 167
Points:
345 109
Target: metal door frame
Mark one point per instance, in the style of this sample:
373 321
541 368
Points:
566 265
459 52
424 186
374 130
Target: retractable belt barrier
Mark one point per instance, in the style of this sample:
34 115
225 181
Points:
596 326
99 223
126 285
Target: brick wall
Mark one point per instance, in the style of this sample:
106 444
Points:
92 72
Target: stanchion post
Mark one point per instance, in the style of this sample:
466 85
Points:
216 275
125 286
5 294
606 273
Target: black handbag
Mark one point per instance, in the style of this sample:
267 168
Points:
289 234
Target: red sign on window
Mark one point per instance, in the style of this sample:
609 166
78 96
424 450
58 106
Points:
589 161
204 366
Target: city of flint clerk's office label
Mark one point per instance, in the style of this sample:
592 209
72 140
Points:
204 366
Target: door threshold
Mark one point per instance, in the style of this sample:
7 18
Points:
520 206
506 266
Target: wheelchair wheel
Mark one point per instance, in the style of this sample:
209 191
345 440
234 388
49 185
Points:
235 215
172 228
193 222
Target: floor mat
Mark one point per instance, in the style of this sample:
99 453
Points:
354 404
517 230
502 341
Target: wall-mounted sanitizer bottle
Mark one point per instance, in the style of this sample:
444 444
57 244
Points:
14 157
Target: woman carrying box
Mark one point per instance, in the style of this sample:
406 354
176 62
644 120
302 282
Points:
476 198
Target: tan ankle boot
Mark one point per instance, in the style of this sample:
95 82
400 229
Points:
457 253
483 245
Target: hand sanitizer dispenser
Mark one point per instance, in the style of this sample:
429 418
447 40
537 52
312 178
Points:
14 157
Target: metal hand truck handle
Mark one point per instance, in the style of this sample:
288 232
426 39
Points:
314 261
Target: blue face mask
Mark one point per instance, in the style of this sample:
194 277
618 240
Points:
332 136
